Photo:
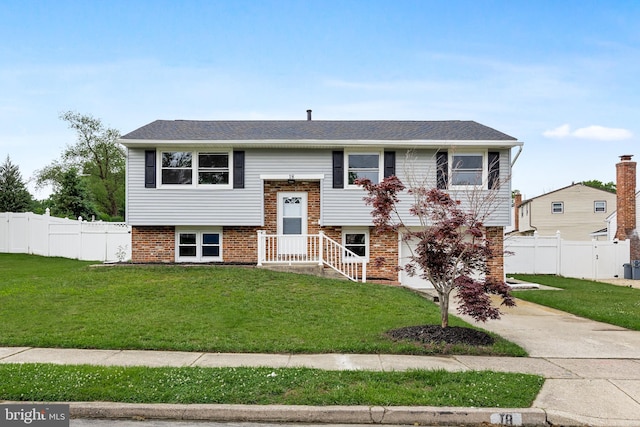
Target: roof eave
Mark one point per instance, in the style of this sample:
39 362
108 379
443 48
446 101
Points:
322 143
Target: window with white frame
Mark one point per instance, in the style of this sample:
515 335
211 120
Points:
363 165
177 167
600 206
210 168
194 245
213 168
557 207
357 241
467 169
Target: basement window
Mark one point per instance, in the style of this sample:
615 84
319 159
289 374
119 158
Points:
194 245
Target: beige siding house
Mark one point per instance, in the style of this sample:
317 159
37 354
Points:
578 211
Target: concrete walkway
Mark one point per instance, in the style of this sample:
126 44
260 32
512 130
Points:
592 371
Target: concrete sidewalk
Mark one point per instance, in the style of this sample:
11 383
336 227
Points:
585 391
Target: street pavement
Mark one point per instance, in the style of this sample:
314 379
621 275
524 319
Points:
592 373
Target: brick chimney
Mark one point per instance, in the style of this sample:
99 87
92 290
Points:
626 203
517 201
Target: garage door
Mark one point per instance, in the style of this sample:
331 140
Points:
416 281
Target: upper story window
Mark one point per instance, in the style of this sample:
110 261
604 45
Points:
600 206
213 168
467 169
363 165
557 207
179 168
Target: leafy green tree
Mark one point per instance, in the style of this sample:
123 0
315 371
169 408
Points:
100 159
608 186
72 198
14 196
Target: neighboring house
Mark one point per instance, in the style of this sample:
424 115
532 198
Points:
612 220
578 211
259 192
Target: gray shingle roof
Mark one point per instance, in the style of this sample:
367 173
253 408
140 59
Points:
317 130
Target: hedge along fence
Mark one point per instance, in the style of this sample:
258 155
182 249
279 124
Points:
45 235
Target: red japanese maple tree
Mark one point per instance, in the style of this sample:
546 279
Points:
451 248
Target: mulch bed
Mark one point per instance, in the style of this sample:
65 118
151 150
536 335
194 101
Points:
434 334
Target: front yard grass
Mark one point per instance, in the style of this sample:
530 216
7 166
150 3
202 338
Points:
291 386
56 302
616 305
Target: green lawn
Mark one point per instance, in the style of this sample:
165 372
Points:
293 386
616 305
56 302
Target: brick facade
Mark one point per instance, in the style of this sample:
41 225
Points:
153 244
495 238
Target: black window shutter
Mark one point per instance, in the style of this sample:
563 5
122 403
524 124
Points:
494 169
338 169
389 163
238 169
442 169
150 168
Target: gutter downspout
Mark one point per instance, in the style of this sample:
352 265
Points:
513 162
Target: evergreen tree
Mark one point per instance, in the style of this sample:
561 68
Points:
72 198
14 196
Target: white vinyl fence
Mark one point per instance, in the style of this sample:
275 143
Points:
45 235
554 255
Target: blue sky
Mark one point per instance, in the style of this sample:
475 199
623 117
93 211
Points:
562 76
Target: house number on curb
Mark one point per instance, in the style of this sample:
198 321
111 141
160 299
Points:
514 419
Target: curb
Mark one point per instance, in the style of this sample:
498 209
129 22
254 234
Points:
407 415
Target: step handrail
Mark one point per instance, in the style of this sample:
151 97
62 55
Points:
312 248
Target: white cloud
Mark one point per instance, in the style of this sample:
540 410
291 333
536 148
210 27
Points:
559 132
602 133
595 132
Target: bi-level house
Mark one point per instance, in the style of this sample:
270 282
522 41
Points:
270 192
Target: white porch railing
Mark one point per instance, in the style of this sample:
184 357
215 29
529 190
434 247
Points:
310 249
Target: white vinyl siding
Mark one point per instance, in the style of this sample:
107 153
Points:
184 205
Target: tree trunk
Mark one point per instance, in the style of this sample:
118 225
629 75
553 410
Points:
444 309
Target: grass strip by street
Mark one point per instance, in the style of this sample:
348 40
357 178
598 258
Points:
268 386
64 303
616 305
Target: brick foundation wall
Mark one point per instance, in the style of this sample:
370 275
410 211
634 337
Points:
153 244
495 238
240 244
383 245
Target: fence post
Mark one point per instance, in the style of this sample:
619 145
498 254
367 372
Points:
594 258
260 247
558 254
535 251
47 218
321 247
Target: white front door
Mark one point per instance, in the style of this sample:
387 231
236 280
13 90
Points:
292 223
